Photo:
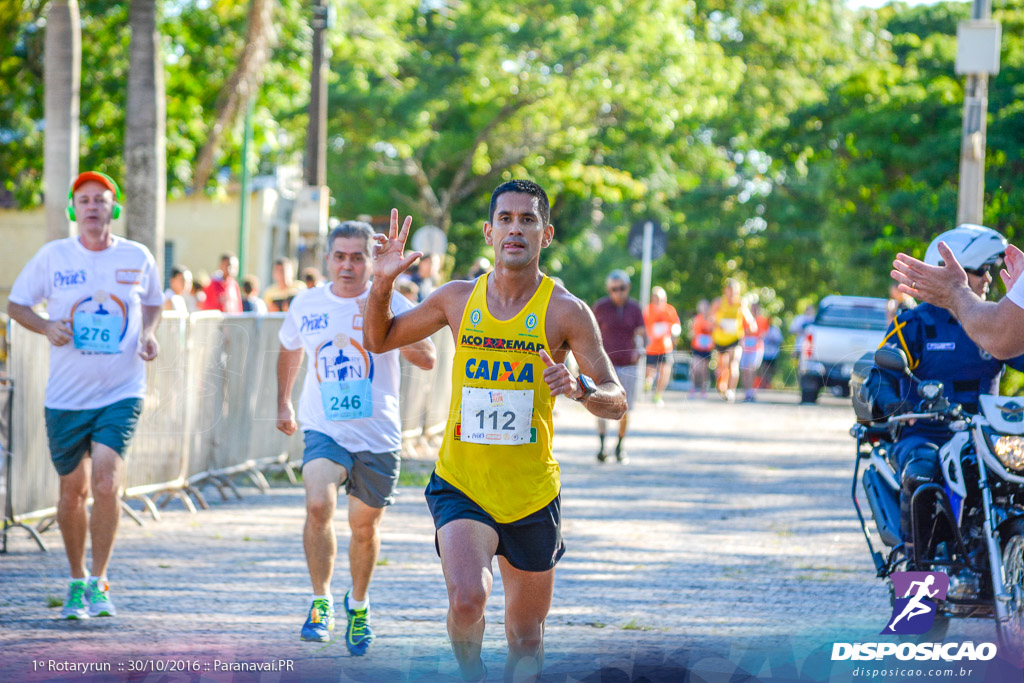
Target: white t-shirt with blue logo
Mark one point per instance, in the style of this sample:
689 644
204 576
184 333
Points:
349 394
102 292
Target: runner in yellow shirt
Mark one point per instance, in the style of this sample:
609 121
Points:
729 313
495 490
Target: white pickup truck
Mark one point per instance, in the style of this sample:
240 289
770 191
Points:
845 328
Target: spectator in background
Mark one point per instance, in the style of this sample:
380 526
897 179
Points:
479 267
702 345
408 289
663 328
621 322
797 327
251 301
312 277
223 293
283 289
197 296
755 326
772 348
180 285
427 275
898 303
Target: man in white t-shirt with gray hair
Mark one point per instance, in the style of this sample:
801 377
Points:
350 422
103 304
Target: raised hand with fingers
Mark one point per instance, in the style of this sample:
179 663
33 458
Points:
558 377
934 284
389 258
1014 260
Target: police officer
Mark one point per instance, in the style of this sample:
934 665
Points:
938 348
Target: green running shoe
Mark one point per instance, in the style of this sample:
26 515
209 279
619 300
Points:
358 634
99 599
74 606
319 622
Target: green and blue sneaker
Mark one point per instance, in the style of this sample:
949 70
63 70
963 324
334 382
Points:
319 622
74 606
358 634
99 599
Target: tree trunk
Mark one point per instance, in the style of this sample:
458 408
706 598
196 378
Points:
62 77
145 159
241 85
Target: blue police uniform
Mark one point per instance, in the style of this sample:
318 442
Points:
937 348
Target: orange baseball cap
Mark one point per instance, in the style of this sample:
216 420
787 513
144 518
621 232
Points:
100 178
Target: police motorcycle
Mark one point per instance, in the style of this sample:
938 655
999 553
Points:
971 527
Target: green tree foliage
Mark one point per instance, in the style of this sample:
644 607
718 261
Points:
431 110
794 144
873 168
202 39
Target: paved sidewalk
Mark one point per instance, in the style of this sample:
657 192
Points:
729 537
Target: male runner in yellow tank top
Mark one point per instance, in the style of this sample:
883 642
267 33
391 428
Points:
495 490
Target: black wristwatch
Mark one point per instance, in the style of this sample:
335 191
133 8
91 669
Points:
588 387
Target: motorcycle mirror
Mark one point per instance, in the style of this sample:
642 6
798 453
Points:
892 359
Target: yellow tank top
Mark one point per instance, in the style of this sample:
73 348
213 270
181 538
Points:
497 444
728 324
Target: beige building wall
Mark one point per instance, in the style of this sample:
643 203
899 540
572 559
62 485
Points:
200 229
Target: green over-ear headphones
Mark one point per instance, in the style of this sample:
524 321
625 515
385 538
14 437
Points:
118 197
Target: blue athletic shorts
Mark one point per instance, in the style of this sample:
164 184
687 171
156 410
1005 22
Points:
71 432
531 544
372 477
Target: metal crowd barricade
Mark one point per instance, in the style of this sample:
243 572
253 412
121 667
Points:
280 450
210 413
205 385
6 413
424 399
156 459
244 439
33 485
441 387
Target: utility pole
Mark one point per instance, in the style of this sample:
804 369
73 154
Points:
311 204
315 171
977 57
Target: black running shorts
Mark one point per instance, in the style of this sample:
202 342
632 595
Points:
531 544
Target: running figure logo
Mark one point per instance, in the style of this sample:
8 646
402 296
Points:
913 610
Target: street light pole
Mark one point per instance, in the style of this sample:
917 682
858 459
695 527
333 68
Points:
315 171
971 195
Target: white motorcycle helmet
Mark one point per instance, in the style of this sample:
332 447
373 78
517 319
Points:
974 246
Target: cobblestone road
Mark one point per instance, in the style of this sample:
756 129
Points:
729 541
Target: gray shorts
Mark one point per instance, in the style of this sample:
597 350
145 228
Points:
627 375
372 477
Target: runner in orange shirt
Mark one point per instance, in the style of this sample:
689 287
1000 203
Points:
663 328
702 345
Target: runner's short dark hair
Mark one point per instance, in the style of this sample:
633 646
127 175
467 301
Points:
524 187
177 270
352 229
